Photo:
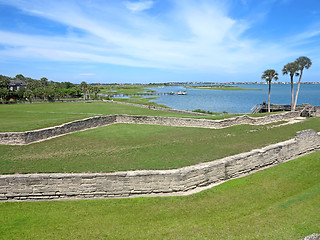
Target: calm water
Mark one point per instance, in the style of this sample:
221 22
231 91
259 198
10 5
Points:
235 101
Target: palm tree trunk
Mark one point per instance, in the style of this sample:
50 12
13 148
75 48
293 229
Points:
297 93
269 96
292 93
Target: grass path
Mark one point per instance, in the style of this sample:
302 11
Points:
282 202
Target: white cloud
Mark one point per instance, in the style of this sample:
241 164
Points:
139 6
86 74
192 36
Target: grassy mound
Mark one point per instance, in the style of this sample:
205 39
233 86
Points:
281 202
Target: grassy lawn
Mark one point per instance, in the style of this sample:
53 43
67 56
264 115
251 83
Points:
23 117
126 89
18 121
130 147
141 100
282 202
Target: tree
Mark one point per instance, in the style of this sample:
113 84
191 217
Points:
28 94
59 93
84 87
49 93
4 81
39 93
291 69
89 88
268 75
4 93
303 63
44 82
32 84
21 77
71 92
96 90
20 92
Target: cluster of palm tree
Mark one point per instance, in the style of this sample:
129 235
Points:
88 90
36 89
44 89
293 69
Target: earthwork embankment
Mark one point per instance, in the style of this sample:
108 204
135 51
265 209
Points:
20 138
182 181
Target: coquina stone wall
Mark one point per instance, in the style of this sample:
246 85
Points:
20 138
31 187
205 123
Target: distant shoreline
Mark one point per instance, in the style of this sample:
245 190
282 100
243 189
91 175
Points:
222 87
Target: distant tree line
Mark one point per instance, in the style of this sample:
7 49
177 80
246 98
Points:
43 89
293 69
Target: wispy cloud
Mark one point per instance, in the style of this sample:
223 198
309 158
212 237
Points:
192 36
139 6
86 74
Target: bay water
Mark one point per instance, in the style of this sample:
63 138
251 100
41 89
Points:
240 101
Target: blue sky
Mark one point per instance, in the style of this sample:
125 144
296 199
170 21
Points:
111 41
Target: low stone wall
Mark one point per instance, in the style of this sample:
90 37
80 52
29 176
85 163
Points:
20 138
31 187
206 123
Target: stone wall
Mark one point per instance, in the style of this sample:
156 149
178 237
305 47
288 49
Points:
31 187
206 123
20 138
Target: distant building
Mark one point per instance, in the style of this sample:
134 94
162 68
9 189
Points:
16 84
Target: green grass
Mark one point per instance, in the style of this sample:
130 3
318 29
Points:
130 147
141 100
22 121
282 202
23 117
126 89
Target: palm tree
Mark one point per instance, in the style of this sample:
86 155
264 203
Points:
303 63
90 88
96 90
44 82
268 75
84 87
291 68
